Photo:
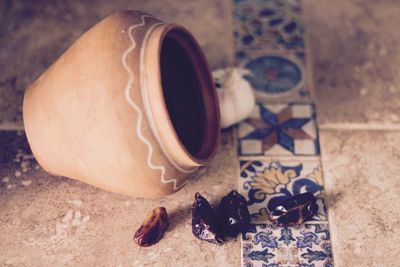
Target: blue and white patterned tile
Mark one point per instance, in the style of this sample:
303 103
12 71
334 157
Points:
279 130
273 24
276 76
307 245
266 182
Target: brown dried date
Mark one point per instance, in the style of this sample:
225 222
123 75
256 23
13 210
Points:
231 218
295 210
153 228
204 222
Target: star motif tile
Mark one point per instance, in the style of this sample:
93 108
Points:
301 246
279 129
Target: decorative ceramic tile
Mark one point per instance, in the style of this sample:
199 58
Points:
273 24
279 129
307 245
267 182
275 75
269 46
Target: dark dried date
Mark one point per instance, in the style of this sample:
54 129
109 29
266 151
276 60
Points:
234 214
153 228
295 210
205 224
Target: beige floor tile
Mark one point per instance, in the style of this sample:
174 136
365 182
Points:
34 33
54 221
355 48
363 188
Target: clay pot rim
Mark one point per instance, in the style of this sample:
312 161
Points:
171 142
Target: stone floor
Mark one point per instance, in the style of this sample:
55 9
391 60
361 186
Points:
356 58
356 61
363 189
53 221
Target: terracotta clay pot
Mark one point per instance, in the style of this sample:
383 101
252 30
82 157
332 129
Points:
130 107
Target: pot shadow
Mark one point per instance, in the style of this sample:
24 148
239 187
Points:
179 216
332 199
198 175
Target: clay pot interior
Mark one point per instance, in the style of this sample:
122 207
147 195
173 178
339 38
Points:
186 86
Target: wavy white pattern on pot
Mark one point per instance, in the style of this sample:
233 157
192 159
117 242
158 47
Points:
128 86
147 108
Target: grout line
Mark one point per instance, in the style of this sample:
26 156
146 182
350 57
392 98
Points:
317 222
319 127
11 127
348 126
311 158
326 222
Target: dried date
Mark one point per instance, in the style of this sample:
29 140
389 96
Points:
231 218
205 224
295 210
153 228
234 214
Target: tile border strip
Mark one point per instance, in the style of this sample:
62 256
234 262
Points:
286 98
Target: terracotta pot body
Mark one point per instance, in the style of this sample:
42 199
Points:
130 107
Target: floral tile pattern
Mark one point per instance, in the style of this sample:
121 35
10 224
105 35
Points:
307 245
273 74
269 43
276 76
273 24
267 182
279 129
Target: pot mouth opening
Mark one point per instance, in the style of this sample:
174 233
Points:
189 94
